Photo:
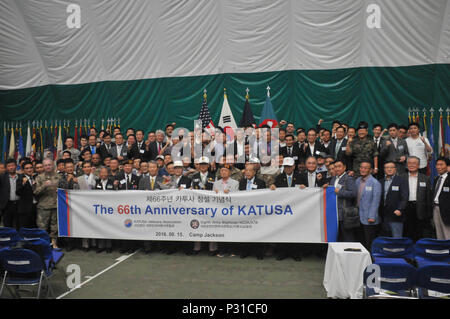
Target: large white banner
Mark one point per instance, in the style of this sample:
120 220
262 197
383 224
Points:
283 215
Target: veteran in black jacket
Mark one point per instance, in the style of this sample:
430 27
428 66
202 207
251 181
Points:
441 199
394 197
418 209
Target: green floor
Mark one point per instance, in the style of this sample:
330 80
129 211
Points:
179 276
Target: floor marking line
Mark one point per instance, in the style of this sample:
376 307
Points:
120 259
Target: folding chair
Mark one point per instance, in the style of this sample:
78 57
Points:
433 281
396 280
24 267
8 237
431 251
33 233
395 249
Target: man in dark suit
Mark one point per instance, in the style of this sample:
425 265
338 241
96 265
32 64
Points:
203 179
310 177
126 180
338 146
291 149
346 192
380 143
180 181
313 147
132 148
248 183
119 150
105 148
418 210
26 207
155 148
104 183
289 178
441 199
92 145
394 197
395 149
8 198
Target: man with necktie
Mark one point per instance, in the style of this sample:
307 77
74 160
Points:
441 199
248 183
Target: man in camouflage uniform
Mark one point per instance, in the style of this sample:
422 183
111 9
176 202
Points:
46 189
362 148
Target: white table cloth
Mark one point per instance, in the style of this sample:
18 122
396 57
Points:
343 276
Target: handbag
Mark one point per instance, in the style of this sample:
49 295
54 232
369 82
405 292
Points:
350 216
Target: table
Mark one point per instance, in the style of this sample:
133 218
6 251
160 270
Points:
343 276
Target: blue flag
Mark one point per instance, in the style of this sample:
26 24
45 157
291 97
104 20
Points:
268 116
433 159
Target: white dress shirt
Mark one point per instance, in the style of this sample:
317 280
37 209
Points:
412 181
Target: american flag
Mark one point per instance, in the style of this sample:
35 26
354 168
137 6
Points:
205 117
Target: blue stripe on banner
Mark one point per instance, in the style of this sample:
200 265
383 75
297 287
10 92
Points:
62 213
332 215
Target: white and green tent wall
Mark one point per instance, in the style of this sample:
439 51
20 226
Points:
147 62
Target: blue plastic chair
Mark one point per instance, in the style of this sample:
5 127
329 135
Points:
8 237
397 249
398 280
431 251
33 233
24 267
436 278
37 236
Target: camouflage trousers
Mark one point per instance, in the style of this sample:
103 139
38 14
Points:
47 220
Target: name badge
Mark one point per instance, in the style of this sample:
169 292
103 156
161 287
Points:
395 188
183 185
344 148
423 184
254 186
445 189
369 188
317 153
109 187
142 151
196 180
123 181
124 153
400 147
295 158
99 186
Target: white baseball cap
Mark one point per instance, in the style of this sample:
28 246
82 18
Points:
288 161
178 164
203 160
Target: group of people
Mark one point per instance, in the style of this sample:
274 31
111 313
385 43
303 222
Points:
380 180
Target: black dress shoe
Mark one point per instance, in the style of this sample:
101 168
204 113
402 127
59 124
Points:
123 250
108 250
259 257
170 252
213 253
99 250
69 248
281 257
297 258
85 249
244 255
